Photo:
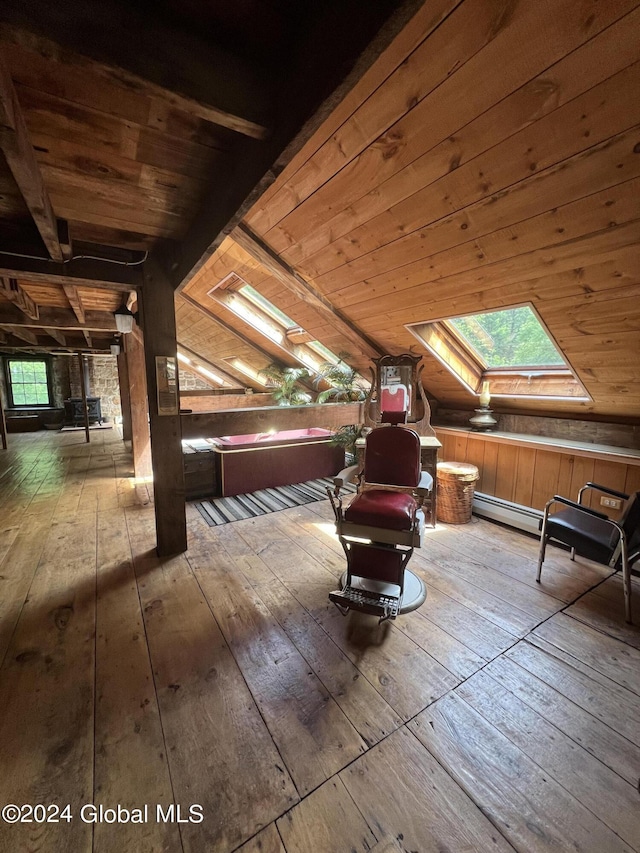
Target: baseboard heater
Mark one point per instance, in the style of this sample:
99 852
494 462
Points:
515 515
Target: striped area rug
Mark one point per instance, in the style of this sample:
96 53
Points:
223 510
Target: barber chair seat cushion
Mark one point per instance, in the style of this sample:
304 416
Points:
381 508
590 536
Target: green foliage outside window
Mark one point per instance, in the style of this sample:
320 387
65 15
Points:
510 338
29 385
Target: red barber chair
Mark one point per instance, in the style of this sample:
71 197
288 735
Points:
382 525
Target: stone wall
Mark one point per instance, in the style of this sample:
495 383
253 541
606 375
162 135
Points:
60 379
192 382
103 377
103 383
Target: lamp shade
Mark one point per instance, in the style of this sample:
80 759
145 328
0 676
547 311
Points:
124 319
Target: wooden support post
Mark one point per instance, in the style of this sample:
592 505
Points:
137 381
159 329
83 388
125 396
3 425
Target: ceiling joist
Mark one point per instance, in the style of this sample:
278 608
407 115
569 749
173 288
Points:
86 272
71 292
21 159
58 318
10 288
195 77
57 336
24 335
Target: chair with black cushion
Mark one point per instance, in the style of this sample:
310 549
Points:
382 525
594 535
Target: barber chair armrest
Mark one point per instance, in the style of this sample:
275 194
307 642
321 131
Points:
426 483
605 489
347 475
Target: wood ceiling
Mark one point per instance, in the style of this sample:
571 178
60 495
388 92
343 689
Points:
490 156
145 127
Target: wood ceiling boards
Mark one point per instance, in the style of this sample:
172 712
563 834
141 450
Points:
490 157
145 128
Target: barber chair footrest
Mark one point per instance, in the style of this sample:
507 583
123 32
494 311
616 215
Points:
353 598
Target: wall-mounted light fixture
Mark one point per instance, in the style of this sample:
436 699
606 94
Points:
124 319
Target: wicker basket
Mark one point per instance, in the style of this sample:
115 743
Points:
456 485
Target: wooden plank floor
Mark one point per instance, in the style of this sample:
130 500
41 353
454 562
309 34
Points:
501 716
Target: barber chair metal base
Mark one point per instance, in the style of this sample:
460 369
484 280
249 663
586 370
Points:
378 597
377 581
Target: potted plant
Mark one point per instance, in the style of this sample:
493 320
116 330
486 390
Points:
343 388
342 380
284 382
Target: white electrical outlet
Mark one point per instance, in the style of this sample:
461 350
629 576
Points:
612 503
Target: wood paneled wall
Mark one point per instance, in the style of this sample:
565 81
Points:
531 475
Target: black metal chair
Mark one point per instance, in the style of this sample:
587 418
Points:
594 535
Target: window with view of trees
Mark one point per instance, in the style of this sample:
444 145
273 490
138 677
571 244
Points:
28 382
509 347
513 337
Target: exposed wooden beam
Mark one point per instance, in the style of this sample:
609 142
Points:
57 336
24 335
159 331
137 378
125 395
307 95
81 271
71 292
123 46
87 338
16 294
58 318
303 290
21 159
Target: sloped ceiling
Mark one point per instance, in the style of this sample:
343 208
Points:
488 158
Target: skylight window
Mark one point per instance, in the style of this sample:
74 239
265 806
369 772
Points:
324 351
238 296
510 347
307 359
245 369
510 338
242 309
193 365
269 308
